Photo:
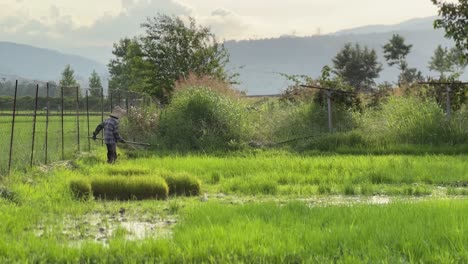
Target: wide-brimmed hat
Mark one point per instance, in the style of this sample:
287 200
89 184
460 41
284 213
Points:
118 112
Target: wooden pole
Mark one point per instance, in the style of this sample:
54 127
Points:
330 123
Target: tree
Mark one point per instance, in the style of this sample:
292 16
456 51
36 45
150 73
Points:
95 84
357 66
440 61
454 19
395 52
168 51
456 58
129 70
175 49
68 81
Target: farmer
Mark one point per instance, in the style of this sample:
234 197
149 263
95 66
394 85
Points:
111 133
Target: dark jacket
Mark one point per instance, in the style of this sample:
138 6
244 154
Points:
111 130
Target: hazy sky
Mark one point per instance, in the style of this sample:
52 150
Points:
99 23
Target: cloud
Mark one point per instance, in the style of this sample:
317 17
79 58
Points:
107 29
226 24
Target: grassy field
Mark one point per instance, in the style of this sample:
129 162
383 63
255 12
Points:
22 140
261 206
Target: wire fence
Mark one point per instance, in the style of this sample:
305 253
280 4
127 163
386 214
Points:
56 123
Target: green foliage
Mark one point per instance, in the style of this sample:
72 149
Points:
141 124
199 118
395 52
357 66
126 188
440 61
7 194
454 19
183 185
95 84
168 51
252 186
129 70
411 120
267 232
80 188
307 119
68 82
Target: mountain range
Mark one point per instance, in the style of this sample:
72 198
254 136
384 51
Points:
258 61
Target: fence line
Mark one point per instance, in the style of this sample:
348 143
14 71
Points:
51 126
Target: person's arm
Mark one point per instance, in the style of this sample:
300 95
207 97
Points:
97 130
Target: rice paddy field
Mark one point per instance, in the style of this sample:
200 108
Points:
22 138
259 206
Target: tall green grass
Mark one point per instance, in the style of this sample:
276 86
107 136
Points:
421 232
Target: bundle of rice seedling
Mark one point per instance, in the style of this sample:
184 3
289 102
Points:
126 188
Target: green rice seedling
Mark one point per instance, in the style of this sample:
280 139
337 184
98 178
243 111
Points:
324 189
251 186
366 189
215 177
124 188
183 184
126 171
349 189
421 190
457 191
80 188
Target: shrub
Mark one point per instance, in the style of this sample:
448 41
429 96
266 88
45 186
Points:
200 119
413 121
213 84
307 119
126 188
141 124
80 188
183 184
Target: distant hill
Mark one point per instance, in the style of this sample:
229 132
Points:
28 62
257 61
261 60
416 24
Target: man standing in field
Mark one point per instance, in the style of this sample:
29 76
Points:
111 133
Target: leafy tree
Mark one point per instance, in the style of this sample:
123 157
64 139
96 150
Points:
357 66
129 70
454 19
395 52
168 51
68 81
458 62
440 61
95 84
175 49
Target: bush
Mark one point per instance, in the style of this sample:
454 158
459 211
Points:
201 119
141 124
80 188
126 188
307 119
413 121
183 184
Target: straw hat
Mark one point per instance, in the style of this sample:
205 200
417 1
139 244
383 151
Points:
118 112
